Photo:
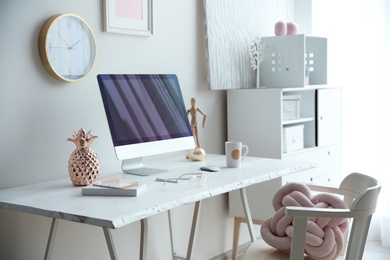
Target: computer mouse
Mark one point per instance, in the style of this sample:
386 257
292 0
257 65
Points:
210 168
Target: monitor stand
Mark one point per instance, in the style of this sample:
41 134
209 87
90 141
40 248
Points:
136 166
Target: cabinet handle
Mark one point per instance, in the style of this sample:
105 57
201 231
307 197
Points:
311 179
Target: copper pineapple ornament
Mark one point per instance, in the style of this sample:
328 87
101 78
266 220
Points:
83 164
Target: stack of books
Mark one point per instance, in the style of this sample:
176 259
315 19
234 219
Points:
114 187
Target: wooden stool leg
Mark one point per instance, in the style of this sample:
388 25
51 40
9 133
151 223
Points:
236 234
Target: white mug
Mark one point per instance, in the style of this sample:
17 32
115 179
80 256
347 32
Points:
235 154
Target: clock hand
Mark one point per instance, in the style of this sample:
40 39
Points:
63 40
76 43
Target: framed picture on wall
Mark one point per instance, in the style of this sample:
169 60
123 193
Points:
128 16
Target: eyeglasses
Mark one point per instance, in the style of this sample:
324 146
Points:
196 178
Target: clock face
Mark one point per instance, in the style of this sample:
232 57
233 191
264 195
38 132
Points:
67 47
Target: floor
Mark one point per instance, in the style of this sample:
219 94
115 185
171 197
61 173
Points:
373 251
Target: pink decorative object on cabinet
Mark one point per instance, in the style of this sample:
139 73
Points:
292 28
280 28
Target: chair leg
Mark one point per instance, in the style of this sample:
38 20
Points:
356 248
298 239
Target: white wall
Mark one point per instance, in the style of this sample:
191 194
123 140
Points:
358 55
356 48
38 114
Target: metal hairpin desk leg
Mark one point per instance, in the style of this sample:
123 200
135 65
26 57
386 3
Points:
173 253
142 246
143 239
248 215
193 230
192 234
108 237
50 241
110 243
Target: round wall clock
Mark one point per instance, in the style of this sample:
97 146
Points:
67 47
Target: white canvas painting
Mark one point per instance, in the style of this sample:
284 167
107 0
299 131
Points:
229 25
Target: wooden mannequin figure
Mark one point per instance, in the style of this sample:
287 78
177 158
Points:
198 153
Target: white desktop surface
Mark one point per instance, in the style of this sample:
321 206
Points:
61 200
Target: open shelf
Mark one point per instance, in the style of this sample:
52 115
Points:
297 121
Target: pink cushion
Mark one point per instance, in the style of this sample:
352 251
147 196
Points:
324 236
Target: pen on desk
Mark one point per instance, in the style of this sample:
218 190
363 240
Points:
117 188
173 180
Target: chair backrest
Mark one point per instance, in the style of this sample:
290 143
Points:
363 205
358 183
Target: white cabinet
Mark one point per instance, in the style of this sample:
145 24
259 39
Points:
292 57
255 117
328 116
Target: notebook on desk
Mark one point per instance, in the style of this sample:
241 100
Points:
114 187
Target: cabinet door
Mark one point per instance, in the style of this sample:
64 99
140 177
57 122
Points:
328 116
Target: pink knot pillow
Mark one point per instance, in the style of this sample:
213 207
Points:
324 236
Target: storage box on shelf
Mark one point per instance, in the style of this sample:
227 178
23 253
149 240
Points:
290 59
291 107
293 138
263 128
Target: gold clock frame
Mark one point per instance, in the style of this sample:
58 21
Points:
43 35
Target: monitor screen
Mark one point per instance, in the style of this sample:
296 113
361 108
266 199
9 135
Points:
145 113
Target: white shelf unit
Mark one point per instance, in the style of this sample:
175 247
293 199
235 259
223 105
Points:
255 117
289 58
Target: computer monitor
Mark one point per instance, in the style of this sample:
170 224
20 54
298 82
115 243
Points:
146 116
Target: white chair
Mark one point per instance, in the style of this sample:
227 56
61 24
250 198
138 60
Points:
360 194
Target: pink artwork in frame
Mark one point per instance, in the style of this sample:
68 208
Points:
130 9
128 16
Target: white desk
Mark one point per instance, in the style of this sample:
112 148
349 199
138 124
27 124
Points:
61 200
